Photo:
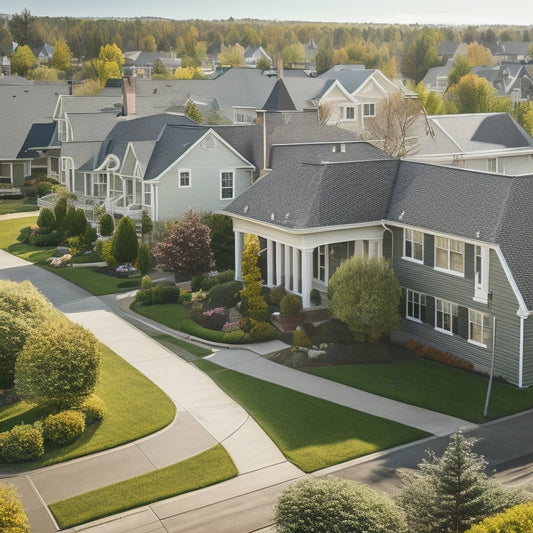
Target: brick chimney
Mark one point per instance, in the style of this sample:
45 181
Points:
279 68
128 95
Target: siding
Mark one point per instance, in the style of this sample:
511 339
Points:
425 279
204 192
528 352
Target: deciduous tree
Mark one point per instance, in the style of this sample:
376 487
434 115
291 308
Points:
22 60
193 112
420 54
364 293
450 493
473 94
62 56
185 250
232 56
461 67
478 55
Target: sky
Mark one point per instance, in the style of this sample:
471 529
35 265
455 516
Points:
450 12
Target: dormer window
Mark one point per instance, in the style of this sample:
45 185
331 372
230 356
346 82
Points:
349 113
369 110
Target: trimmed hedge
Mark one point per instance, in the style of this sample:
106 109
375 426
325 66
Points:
64 427
263 331
23 443
225 294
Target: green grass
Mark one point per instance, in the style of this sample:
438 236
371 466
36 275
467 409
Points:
433 386
19 205
91 257
311 432
191 348
168 314
135 408
207 468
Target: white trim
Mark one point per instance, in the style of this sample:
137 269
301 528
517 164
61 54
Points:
522 307
189 172
226 171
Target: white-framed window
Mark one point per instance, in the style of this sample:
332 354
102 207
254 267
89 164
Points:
369 110
349 113
442 82
481 269
243 118
479 331
184 177
492 164
320 264
413 245
450 255
27 168
100 184
446 314
227 185
147 194
415 306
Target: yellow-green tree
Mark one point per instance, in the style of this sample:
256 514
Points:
478 54
22 60
232 56
111 52
252 294
13 519
518 519
62 56
148 44
472 94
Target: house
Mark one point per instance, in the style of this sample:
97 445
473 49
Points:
45 54
253 55
141 64
492 142
511 51
436 78
458 241
451 49
27 107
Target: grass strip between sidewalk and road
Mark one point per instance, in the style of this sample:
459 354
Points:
207 468
433 386
165 339
312 433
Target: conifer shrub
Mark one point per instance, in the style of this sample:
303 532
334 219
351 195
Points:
277 294
300 338
263 331
144 259
46 219
64 427
23 443
107 225
290 304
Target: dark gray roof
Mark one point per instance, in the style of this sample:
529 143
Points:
39 136
84 154
279 99
351 80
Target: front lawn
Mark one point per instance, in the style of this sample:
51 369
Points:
18 205
433 386
311 432
135 408
210 467
167 314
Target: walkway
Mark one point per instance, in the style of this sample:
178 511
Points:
206 415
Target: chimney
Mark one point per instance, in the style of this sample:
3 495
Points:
279 68
128 95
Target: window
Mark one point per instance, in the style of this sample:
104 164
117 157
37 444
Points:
369 110
449 255
147 197
243 118
319 263
413 245
415 306
481 266
445 316
349 113
184 178
99 184
478 327
226 185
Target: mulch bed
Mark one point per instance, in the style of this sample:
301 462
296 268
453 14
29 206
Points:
290 323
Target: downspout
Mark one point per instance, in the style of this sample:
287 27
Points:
264 142
391 242
521 354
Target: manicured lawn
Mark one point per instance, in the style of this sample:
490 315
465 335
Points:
207 468
168 314
19 205
433 386
191 348
312 433
135 408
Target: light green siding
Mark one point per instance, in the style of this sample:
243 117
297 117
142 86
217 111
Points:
204 193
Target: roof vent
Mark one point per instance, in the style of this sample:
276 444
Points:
401 215
245 209
272 216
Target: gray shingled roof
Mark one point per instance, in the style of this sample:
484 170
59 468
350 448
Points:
351 80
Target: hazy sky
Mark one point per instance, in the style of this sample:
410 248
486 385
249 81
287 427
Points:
479 12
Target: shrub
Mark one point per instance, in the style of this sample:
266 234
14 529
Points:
224 277
335 330
518 519
196 282
64 427
125 245
263 331
76 245
107 225
144 296
23 443
90 236
300 338
60 210
208 283
185 298
428 352
299 359
277 294
315 296
104 251
191 327
144 259
236 336
290 304
12 516
225 294
46 218
24 235
146 282
214 318
93 407
330 504
45 238
169 293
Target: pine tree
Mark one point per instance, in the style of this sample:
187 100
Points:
193 112
125 247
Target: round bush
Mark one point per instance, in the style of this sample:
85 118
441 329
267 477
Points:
277 294
263 331
169 294
224 277
225 294
335 330
107 225
64 427
46 218
237 336
23 443
146 282
208 283
336 505
94 409
300 338
290 304
196 282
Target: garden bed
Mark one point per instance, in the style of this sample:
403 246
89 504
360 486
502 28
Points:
289 323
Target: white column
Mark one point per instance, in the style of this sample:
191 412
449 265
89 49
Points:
296 270
307 276
287 259
238 255
270 263
279 263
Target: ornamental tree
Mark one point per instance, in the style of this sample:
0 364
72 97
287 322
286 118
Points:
365 294
125 247
59 365
334 504
185 249
13 519
450 493
252 294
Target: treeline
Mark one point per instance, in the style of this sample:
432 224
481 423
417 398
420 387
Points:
383 46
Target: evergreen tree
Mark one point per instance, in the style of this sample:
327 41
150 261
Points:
252 294
144 260
125 247
450 493
193 112
147 226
